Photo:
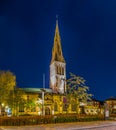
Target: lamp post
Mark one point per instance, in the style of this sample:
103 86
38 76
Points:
0 105
2 109
43 91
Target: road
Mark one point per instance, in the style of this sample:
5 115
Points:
98 125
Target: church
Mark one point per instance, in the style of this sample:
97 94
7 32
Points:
52 100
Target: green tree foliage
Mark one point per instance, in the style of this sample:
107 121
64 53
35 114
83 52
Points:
30 103
16 99
7 84
77 89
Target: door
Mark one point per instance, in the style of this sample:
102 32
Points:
47 111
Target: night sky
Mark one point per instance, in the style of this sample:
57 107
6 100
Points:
88 36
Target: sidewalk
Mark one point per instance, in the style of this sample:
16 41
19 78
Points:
62 126
79 125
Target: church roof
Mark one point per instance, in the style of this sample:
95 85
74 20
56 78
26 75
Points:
37 90
57 54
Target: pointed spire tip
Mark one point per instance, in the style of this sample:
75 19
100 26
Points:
56 19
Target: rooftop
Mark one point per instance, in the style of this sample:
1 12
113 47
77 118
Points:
37 90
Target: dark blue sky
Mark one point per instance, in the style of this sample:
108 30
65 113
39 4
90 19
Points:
88 36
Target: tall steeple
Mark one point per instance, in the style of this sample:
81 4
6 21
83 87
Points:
57 49
58 65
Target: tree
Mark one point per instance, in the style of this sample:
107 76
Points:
77 90
31 103
7 84
16 100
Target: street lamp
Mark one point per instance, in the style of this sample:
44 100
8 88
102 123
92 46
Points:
2 104
43 91
2 108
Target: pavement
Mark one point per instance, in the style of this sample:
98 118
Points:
96 125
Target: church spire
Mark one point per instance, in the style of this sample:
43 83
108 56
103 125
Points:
57 49
58 65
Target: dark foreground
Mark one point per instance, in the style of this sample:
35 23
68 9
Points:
97 125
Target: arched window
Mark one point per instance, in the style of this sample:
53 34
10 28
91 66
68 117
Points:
62 71
57 69
55 107
27 97
21 108
65 107
73 107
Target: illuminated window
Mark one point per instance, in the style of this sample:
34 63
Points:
62 70
73 107
57 69
64 107
27 97
21 108
55 107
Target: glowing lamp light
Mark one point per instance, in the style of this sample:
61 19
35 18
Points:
2 104
6 107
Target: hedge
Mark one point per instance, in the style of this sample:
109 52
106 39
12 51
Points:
36 120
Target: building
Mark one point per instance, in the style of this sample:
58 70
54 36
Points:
111 105
94 107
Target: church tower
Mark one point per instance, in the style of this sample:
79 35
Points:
57 66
